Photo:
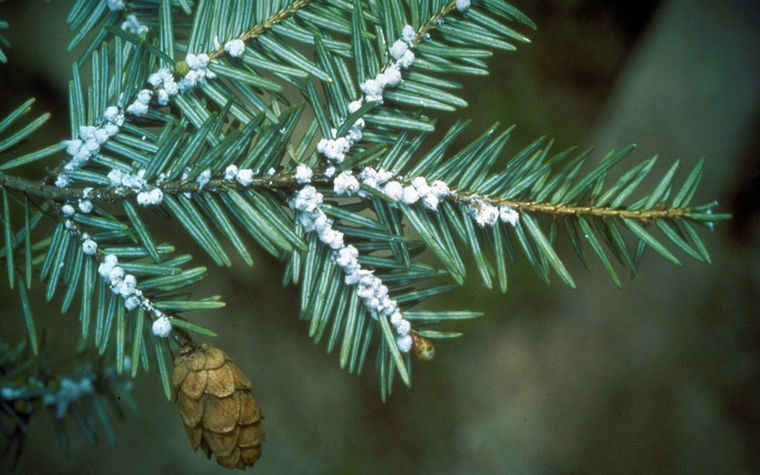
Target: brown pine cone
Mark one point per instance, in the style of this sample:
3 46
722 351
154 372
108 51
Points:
217 408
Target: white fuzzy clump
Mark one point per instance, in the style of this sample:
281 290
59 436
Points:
109 262
151 197
307 200
89 247
85 206
132 302
303 173
133 25
374 178
334 149
115 5
418 190
508 215
203 179
406 60
244 176
164 84
62 181
135 181
230 172
372 291
462 5
162 327
410 195
235 48
198 73
408 33
398 49
345 184
392 76
354 106
484 214
141 105
373 90
404 343
440 189
403 58
394 190
90 139
68 210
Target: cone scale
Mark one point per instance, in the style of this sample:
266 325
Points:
218 411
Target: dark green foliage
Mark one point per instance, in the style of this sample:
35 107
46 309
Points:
303 64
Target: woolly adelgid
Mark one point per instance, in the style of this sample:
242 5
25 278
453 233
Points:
188 114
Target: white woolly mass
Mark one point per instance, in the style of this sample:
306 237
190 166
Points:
394 190
164 84
303 173
122 284
133 25
115 5
508 215
137 108
404 343
132 302
462 5
440 189
88 144
392 76
345 183
398 49
235 48
89 247
85 206
334 149
410 195
406 60
113 116
203 179
430 201
245 176
484 214
403 58
127 180
143 97
408 33
373 90
68 210
198 73
162 327
151 197
230 172
370 289
354 106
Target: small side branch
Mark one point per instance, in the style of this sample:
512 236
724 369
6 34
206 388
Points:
261 28
643 215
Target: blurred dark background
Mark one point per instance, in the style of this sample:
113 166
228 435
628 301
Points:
661 376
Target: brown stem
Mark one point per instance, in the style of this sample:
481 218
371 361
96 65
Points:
573 210
433 22
259 29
